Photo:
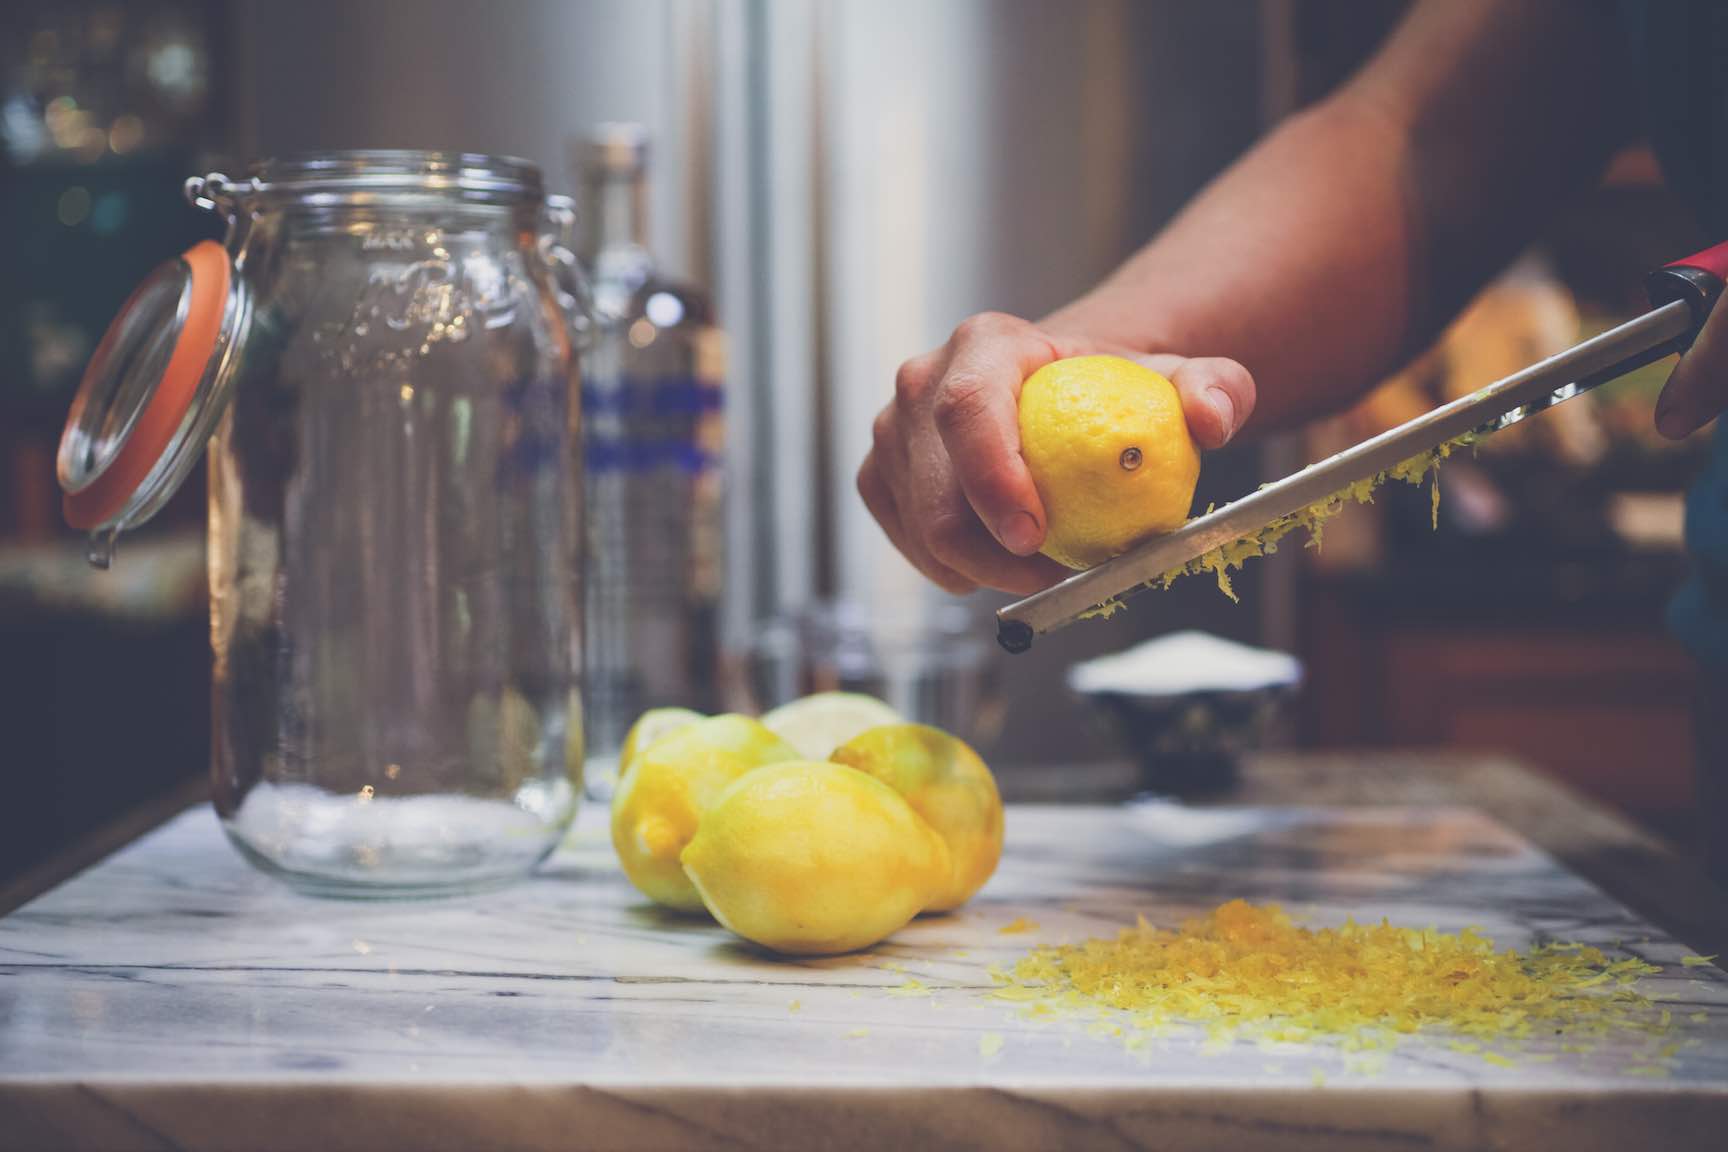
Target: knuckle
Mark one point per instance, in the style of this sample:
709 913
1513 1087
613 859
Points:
866 480
882 428
911 380
961 401
985 325
947 535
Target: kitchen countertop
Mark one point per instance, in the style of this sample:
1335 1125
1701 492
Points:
171 997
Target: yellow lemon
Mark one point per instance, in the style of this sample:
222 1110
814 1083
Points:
949 786
814 858
674 781
649 727
1110 453
816 725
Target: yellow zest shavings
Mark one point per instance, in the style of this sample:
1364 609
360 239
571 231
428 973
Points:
911 987
1017 926
1103 611
989 1044
1697 961
795 1006
1247 972
857 1033
1221 561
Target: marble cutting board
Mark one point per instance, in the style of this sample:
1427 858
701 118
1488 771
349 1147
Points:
173 998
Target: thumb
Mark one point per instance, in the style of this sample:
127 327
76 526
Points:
1697 390
1217 394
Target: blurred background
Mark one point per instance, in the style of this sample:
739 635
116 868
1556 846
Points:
843 183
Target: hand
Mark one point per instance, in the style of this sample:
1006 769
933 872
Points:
945 477
1697 389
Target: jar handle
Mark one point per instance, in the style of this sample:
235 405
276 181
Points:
569 281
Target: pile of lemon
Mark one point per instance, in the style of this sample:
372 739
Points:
823 827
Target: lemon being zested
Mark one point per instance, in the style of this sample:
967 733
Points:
1110 453
814 858
671 784
947 784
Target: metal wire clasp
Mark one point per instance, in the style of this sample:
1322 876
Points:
214 192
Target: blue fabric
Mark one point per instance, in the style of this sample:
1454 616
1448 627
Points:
1678 45
1699 613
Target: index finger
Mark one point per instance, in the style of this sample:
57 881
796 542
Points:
977 414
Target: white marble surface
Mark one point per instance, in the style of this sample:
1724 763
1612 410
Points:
172 997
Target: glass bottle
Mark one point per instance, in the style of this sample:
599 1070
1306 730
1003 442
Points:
653 439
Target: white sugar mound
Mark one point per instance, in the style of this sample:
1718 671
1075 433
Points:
1185 662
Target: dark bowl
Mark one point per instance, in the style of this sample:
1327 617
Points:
1190 745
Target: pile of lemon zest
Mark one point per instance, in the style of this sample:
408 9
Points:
1250 973
1016 993
989 1044
1017 926
857 1033
910 988
1696 961
794 1006
1699 1017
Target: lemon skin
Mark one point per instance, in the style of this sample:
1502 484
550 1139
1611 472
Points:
673 782
649 727
814 858
950 786
816 725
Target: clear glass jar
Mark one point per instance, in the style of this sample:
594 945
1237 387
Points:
395 520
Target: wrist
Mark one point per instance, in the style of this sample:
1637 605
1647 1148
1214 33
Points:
1100 322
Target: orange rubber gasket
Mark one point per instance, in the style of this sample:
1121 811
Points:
102 499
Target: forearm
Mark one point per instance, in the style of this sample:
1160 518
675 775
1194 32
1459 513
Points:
1298 262
1341 243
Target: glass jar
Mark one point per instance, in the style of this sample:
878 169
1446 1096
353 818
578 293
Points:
391 408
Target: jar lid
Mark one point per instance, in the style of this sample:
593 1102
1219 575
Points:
149 395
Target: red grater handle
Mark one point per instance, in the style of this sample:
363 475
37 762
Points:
1696 280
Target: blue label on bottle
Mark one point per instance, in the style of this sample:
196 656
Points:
636 396
637 456
626 424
